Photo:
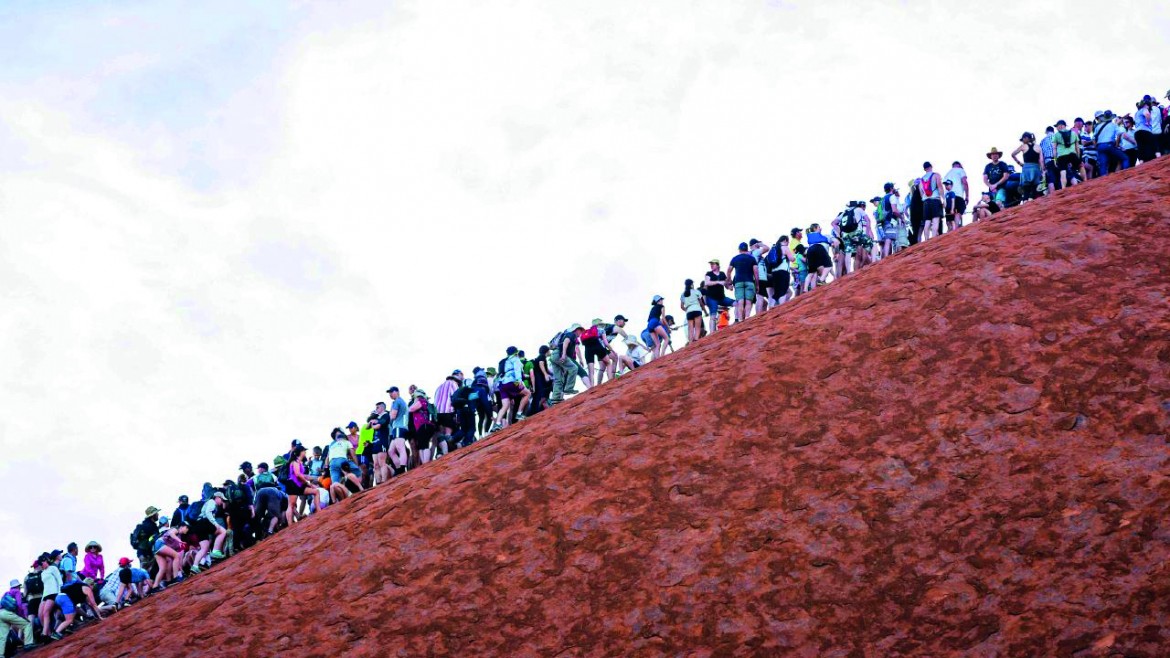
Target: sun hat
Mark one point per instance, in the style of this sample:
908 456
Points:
152 510
93 544
576 327
491 371
994 151
657 298
14 583
597 321
88 582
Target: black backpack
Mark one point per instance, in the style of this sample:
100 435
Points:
34 587
237 497
136 537
850 224
459 397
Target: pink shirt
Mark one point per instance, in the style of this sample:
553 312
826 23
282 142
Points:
443 397
94 565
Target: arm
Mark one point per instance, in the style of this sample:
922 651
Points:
1015 153
966 188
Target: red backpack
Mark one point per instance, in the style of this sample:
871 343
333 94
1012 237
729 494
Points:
928 185
590 333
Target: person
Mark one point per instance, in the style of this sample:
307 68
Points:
208 525
513 394
1110 156
962 191
316 463
93 564
444 412
184 512
817 256
69 562
379 421
616 333
1084 132
982 208
168 554
691 303
744 281
636 352
398 453
1128 142
1031 173
1048 150
1068 155
995 175
541 381
340 452
269 503
760 251
914 209
593 342
345 486
1147 142
422 425
298 487
714 289
930 185
145 534
781 263
892 219
13 617
562 363
51 578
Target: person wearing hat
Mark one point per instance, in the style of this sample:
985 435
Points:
146 532
1110 156
445 411
93 564
422 427
397 453
563 363
714 289
962 189
16 620
1031 173
514 394
995 175
656 332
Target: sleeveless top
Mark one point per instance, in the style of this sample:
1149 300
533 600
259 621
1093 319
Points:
1031 156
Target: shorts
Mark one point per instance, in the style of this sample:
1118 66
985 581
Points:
780 282
1069 160
268 500
397 433
448 421
375 447
65 603
932 209
957 205
745 291
691 315
714 304
818 256
203 528
291 488
594 350
511 391
158 544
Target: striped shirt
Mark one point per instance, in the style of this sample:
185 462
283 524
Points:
443 397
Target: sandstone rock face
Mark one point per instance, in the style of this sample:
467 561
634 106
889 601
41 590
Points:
960 451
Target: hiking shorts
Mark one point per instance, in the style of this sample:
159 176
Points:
691 315
745 291
65 603
1069 161
932 209
448 421
594 350
511 391
957 205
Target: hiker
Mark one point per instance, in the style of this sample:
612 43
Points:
561 363
616 333
1068 155
982 208
541 380
692 305
892 219
51 579
760 251
744 281
145 533
1031 173
1128 142
1107 134
656 332
817 257
398 453
340 452
593 343
269 502
930 184
914 209
962 191
781 262
1083 131
168 553
995 175
444 412
1147 141
93 565
346 485
513 394
13 617
298 488
714 288
379 421
1048 151
422 425
69 562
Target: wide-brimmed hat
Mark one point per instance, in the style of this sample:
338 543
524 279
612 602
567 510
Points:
576 326
14 583
93 544
152 510
420 393
994 151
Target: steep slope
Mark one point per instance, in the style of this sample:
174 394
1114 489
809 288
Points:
958 451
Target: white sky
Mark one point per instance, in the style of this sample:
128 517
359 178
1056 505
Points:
225 227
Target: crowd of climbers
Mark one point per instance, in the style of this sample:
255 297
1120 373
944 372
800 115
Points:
65 589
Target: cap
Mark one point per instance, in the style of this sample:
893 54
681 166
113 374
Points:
713 261
948 182
152 510
511 350
1062 122
351 425
164 521
620 318
219 495
876 199
392 389
184 499
124 562
263 465
658 298
56 553
296 443
1100 113
597 321
888 187
743 246
245 466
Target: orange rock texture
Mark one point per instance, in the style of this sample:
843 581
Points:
959 451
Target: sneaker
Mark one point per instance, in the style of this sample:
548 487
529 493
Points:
56 636
217 555
195 568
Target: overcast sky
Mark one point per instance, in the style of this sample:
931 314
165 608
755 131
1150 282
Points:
225 225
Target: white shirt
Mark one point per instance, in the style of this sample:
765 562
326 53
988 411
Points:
956 176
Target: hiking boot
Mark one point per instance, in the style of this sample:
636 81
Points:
217 555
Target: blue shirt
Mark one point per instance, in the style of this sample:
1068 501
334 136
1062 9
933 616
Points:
1047 148
399 421
138 575
1108 134
816 238
744 266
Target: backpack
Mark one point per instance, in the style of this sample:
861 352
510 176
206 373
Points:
420 418
591 332
928 185
1066 135
459 397
33 585
282 470
236 496
557 340
136 537
850 224
8 602
265 479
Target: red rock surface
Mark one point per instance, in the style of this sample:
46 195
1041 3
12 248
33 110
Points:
960 451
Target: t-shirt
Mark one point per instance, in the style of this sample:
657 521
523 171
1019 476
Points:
656 312
693 301
51 577
382 433
1108 133
715 285
1065 142
399 421
339 449
744 266
994 171
538 372
138 575
365 438
956 176
68 563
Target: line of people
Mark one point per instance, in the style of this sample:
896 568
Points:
64 589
